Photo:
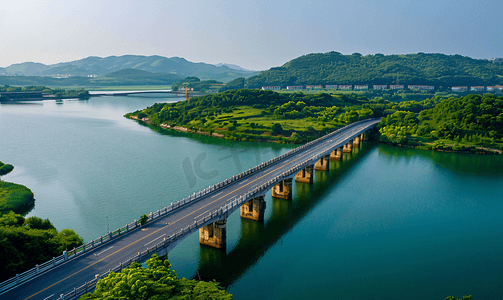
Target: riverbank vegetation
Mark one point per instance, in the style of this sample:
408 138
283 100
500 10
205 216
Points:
25 243
473 123
15 197
57 93
470 123
157 281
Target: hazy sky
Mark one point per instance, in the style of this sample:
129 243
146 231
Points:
254 34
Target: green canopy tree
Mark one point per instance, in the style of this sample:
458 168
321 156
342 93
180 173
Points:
157 282
23 245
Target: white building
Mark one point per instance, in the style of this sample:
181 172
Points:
459 89
477 88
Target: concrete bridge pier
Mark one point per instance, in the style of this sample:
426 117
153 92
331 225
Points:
214 235
336 154
323 164
348 147
305 175
283 189
254 209
356 141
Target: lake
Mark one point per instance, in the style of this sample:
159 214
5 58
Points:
384 223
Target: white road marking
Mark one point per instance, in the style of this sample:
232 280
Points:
154 240
103 251
202 214
49 297
244 181
217 194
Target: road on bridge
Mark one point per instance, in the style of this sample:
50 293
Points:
77 271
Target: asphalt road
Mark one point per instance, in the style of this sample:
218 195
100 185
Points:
75 272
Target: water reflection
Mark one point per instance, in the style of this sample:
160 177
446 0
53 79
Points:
19 103
461 163
257 237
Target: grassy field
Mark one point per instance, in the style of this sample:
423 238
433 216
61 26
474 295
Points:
15 197
249 123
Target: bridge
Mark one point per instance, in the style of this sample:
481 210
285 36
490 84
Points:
140 92
76 272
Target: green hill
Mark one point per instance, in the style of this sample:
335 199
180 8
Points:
423 69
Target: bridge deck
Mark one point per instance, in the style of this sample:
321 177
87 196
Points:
75 272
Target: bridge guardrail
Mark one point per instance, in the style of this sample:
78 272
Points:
71 254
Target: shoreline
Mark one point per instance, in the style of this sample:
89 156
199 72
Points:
214 134
15 197
484 150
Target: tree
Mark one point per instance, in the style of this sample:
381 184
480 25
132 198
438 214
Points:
277 129
143 219
67 239
157 282
38 223
295 136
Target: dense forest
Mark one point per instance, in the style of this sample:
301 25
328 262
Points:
468 122
454 123
439 70
156 282
27 242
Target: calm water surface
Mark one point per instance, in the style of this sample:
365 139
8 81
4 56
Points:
385 223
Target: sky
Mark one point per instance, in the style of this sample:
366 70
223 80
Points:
253 34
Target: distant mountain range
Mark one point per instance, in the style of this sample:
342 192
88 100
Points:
232 66
410 69
155 64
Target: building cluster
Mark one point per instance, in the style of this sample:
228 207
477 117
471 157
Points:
414 87
461 89
351 87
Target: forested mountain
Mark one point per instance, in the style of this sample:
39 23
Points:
26 68
424 69
157 64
